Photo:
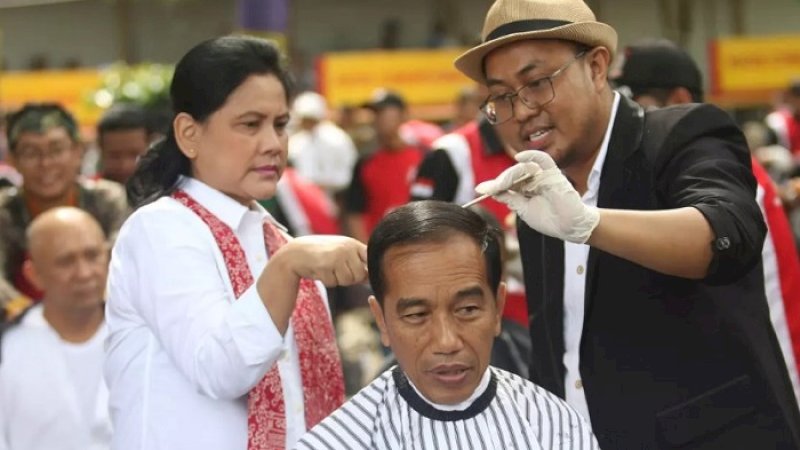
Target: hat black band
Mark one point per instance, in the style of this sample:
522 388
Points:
522 26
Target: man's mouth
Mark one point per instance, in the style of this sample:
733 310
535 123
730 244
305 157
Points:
537 139
450 373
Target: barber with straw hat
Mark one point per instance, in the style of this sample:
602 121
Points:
641 242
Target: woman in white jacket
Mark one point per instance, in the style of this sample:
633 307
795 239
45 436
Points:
219 336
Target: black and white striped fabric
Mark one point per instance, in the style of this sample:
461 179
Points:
512 413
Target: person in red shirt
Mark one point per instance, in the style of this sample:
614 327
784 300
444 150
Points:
382 180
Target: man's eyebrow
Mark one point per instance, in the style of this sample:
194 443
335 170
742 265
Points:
406 303
474 291
520 73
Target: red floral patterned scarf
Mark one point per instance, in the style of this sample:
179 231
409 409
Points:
320 366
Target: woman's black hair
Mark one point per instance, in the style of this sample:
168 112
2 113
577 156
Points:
203 80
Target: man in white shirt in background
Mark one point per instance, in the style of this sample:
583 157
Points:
52 394
320 151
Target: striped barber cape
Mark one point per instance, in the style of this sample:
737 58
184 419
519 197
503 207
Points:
506 412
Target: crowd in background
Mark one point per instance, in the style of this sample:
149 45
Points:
349 167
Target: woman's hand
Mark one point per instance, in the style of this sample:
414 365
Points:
333 260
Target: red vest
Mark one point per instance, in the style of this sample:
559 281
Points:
792 131
785 263
486 166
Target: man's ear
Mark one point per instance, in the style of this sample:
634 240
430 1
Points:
186 134
377 312
599 60
30 273
500 302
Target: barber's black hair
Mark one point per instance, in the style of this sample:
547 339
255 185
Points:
123 117
430 221
203 80
36 118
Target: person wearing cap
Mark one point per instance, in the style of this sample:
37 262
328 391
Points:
320 151
641 242
661 74
657 73
381 180
46 150
785 122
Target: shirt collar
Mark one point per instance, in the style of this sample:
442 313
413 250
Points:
471 407
222 206
593 183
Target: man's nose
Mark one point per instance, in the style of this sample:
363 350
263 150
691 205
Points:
446 336
523 112
85 268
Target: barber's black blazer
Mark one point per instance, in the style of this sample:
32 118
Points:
668 362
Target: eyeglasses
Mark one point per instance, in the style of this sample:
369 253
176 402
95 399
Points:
30 155
534 94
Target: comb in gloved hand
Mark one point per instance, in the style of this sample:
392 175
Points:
483 197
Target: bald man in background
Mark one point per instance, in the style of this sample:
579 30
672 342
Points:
52 393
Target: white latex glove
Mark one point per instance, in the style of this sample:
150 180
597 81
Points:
547 202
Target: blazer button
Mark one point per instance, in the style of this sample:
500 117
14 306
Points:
723 243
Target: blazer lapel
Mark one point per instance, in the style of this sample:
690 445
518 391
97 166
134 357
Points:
543 264
547 318
553 306
626 136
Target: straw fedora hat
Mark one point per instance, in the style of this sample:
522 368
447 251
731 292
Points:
513 20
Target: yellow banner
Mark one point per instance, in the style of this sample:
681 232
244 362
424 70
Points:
754 64
70 88
423 77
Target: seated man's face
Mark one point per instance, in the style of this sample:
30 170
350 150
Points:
439 315
48 162
121 150
70 264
